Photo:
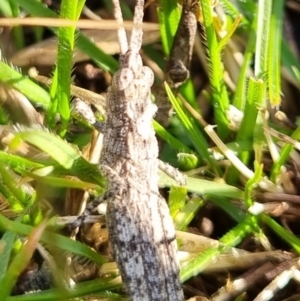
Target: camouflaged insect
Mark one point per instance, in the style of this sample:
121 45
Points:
140 227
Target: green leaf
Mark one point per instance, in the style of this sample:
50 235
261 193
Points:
9 77
196 136
7 243
52 239
60 89
62 152
169 17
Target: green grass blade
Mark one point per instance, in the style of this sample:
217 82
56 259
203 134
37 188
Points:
262 38
177 198
233 11
7 241
231 239
18 163
52 239
239 99
203 187
88 287
274 62
255 96
252 184
224 41
284 234
15 195
62 182
284 155
183 218
20 262
6 8
61 83
175 143
63 153
11 78
169 16
196 136
219 92
237 214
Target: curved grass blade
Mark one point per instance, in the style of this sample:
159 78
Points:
52 239
231 239
10 77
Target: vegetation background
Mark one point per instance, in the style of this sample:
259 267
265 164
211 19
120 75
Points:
238 216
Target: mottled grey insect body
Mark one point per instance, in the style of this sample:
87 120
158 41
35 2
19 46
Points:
140 227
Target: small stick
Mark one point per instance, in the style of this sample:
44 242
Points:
181 54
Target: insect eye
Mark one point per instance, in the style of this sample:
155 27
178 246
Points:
123 78
148 75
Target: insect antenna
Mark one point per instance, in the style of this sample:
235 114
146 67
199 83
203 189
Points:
137 31
121 30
